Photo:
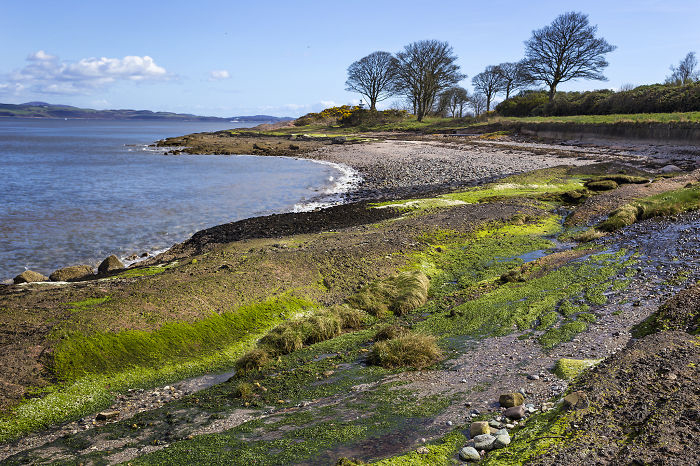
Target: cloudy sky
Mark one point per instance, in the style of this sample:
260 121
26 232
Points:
227 58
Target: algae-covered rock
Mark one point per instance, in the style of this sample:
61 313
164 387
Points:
479 428
576 400
508 400
74 272
568 369
469 454
601 185
502 440
29 276
110 264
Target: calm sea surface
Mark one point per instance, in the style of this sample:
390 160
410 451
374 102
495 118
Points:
76 191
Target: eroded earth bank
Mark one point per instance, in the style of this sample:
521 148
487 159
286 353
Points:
387 329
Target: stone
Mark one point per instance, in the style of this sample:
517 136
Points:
110 264
493 423
508 400
422 450
510 426
29 276
502 440
469 454
576 400
478 428
74 272
515 412
107 415
533 377
484 442
670 169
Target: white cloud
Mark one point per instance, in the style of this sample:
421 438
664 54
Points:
217 75
47 74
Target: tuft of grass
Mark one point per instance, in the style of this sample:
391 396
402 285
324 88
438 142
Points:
412 350
389 332
350 318
78 355
399 295
243 390
664 204
601 185
568 369
283 339
253 360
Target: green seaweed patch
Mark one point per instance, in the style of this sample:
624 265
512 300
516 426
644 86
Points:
569 369
141 272
437 453
77 306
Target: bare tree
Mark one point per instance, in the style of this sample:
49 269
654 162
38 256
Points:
372 77
686 71
513 77
424 69
489 83
477 102
566 49
454 100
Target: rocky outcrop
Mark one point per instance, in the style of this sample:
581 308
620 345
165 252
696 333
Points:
74 272
29 276
110 264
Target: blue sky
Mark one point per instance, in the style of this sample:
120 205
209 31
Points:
228 58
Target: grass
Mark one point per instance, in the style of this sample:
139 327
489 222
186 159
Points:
396 295
692 117
77 306
664 204
92 392
412 350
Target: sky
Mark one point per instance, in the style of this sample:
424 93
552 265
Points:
286 58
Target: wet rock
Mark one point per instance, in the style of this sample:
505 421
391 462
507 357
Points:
576 400
502 440
29 276
508 400
110 264
469 454
669 169
107 415
515 412
74 272
484 442
479 428
533 377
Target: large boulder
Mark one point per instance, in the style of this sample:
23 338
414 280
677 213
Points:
110 264
74 272
29 276
508 400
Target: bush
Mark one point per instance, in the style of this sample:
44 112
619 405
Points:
253 360
412 350
522 104
329 116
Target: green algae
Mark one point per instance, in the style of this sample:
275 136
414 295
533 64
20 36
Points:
569 369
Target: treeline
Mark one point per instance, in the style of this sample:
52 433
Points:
654 98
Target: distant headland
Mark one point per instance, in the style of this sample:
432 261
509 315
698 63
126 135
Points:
45 110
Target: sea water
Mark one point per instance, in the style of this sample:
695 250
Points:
76 191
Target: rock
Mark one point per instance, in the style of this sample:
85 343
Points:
515 412
484 442
493 423
422 450
110 264
533 377
469 454
479 428
576 400
508 400
502 440
107 415
449 423
669 169
29 276
510 426
74 272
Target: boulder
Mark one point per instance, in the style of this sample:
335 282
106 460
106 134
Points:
670 169
29 276
576 400
508 400
478 428
110 264
74 272
484 442
515 412
469 454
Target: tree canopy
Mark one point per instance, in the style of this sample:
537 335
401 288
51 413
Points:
372 76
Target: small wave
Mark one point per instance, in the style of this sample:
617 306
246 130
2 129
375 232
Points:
130 260
334 193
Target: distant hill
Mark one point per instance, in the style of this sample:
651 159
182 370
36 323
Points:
44 110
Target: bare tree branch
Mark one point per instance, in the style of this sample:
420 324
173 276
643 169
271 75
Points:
372 76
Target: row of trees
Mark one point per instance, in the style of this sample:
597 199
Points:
426 75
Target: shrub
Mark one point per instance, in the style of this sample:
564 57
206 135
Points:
522 104
253 360
361 117
412 350
329 116
389 332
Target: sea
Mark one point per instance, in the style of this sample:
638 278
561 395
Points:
76 191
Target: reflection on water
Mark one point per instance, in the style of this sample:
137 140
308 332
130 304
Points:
76 191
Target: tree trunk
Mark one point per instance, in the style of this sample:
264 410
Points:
373 106
552 91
